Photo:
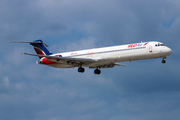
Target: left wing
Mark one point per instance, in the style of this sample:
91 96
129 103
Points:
78 60
63 58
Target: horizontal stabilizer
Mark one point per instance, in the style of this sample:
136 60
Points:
28 42
24 42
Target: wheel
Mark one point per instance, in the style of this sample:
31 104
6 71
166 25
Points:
163 61
97 71
81 69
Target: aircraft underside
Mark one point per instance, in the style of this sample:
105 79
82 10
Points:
99 65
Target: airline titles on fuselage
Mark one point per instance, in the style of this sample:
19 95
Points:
90 54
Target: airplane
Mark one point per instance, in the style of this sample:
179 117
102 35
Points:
97 58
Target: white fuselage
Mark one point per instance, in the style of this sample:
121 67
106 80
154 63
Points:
122 53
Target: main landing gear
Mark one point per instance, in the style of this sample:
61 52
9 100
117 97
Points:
81 69
96 71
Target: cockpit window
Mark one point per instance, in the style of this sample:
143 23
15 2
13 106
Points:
160 44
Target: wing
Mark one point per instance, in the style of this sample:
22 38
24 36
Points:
63 58
91 63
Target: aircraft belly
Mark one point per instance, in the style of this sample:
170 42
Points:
134 56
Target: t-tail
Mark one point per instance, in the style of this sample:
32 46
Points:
39 46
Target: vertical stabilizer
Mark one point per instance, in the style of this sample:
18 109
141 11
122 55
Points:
40 47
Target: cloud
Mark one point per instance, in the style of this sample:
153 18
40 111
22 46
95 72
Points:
6 82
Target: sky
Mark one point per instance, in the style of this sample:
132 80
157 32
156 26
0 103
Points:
146 89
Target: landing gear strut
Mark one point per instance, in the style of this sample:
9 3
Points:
97 71
81 69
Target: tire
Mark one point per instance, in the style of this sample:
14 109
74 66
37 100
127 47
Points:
81 69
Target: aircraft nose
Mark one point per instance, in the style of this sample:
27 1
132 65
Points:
169 51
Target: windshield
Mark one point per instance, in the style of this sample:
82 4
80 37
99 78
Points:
159 44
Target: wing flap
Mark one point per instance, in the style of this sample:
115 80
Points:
120 65
106 65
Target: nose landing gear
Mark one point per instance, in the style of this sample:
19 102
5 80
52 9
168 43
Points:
164 61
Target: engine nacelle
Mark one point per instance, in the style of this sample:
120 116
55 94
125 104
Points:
38 62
